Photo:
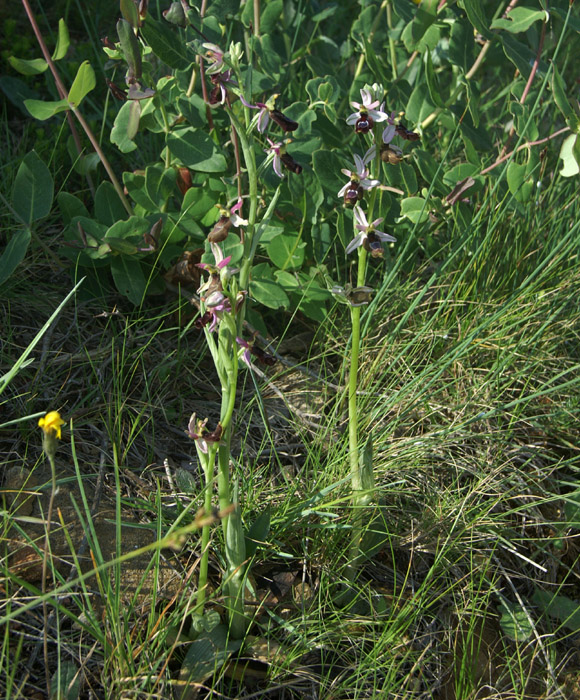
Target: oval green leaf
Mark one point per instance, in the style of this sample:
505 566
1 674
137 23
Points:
83 83
196 150
33 189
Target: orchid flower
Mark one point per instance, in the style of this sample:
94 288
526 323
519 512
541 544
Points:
369 236
360 175
367 114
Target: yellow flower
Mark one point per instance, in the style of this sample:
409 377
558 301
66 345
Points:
52 423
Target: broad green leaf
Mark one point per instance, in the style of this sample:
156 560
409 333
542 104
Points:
312 87
222 9
267 51
134 117
258 532
33 189
45 110
408 177
175 15
520 55
559 92
14 253
131 49
62 41
521 177
429 169
426 15
129 278
299 112
270 17
108 207
366 465
205 654
268 293
197 203
514 621
362 26
460 172
32 66
232 247
313 309
561 607
419 105
310 289
193 109
135 184
524 126
87 164
476 134
286 251
130 12
461 44
476 15
520 19
405 10
307 193
70 206
17 91
83 83
570 154
66 682
323 14
160 183
415 209
432 82
287 280
302 150
196 150
166 44
123 126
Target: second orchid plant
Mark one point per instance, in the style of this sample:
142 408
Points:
223 297
378 128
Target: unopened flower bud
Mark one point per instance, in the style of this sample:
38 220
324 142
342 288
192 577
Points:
240 299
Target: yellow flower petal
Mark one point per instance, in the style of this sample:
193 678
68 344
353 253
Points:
52 422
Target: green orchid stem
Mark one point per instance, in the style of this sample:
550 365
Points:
208 461
225 357
358 500
234 545
250 161
392 47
